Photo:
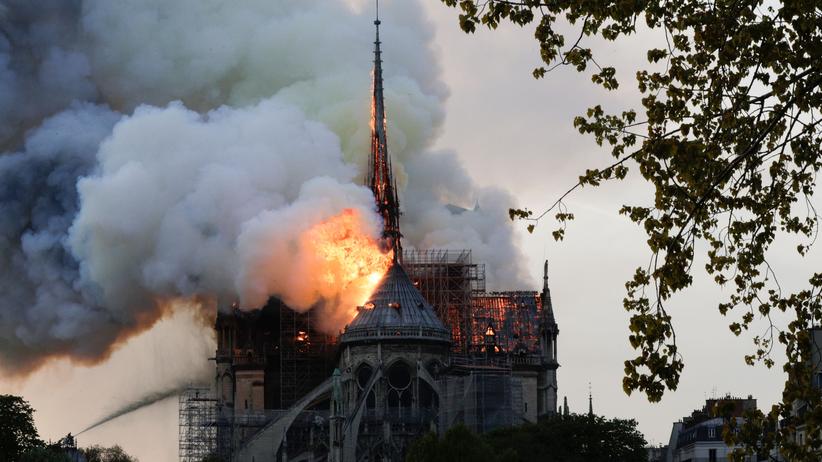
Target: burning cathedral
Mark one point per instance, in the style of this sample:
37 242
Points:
429 350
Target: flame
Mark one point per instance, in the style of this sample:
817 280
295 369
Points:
352 262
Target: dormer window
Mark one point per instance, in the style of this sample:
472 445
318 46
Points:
491 339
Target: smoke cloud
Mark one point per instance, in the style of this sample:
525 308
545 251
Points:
42 66
44 305
157 150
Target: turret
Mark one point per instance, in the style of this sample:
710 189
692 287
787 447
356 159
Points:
548 323
547 378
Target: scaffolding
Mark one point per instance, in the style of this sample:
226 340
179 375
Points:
449 280
482 394
268 358
285 345
306 355
198 424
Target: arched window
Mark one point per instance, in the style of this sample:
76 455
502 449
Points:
362 377
399 375
399 393
364 373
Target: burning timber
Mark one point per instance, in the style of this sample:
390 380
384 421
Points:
429 349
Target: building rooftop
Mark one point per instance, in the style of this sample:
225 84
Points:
396 310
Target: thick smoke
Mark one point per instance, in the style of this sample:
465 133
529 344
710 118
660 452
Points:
234 129
42 67
44 305
240 187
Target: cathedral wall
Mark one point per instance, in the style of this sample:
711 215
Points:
250 393
528 381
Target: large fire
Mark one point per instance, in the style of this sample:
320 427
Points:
352 262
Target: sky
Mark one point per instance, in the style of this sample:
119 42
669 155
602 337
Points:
512 132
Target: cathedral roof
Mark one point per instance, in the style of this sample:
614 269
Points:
396 310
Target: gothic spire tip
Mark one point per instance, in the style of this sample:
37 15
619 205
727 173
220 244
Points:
377 17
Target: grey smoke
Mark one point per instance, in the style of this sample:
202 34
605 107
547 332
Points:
42 65
44 306
155 149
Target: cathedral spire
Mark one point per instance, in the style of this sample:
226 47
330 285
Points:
380 177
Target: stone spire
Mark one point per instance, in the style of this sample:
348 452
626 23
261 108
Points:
547 305
380 176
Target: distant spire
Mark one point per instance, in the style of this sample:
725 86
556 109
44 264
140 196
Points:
565 410
380 176
590 402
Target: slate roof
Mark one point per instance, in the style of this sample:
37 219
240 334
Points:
396 310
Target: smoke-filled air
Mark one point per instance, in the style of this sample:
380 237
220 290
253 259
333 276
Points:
155 151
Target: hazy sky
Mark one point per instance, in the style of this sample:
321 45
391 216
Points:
512 132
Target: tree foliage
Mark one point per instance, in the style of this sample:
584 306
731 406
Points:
20 442
104 454
17 432
727 133
45 453
458 444
570 438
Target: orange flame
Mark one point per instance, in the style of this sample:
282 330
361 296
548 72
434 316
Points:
353 262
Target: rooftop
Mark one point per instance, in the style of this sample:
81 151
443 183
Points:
396 310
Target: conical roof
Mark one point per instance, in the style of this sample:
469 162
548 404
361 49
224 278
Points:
396 310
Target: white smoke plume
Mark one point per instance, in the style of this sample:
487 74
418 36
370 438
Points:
222 214
234 128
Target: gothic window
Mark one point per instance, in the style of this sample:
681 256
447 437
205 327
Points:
399 375
364 373
399 393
